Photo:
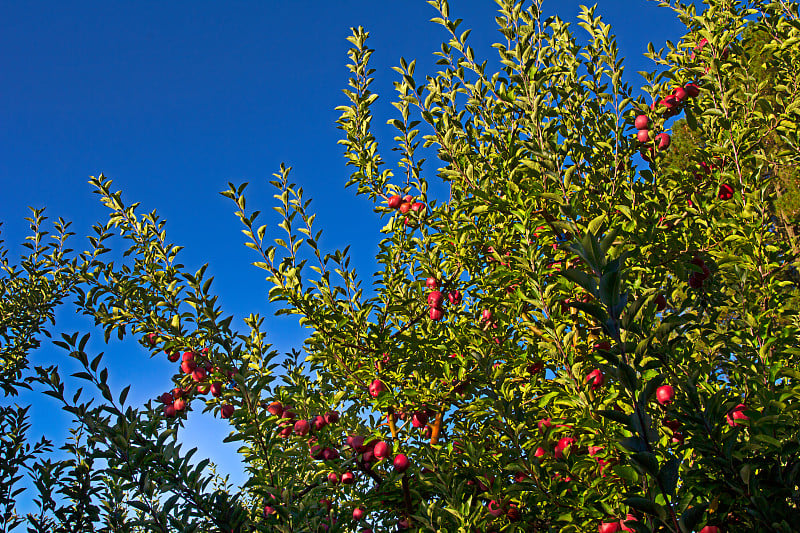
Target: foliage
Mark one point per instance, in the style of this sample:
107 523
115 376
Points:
515 342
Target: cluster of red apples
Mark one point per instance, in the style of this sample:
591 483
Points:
205 378
436 299
673 104
405 204
366 453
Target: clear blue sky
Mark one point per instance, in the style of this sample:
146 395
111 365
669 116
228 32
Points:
174 99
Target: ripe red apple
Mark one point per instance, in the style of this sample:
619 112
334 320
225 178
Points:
173 356
602 345
486 315
276 409
596 379
179 404
302 427
661 302
608 527
594 450
435 298
710 529
679 93
405 207
318 422
285 432
417 207
641 122
545 424
151 339
736 414
539 452
419 419
333 478
325 502
382 450
376 388
216 389
691 89
643 136
436 313
665 394
348 478
329 454
623 524
725 192
188 366
226 411
454 297
359 513
169 411
431 282
563 445
356 442
395 201
401 463
513 514
199 374
331 417
663 140
166 398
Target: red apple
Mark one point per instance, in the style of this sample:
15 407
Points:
725 192
663 140
151 339
643 136
691 89
376 388
435 298
596 379
395 201
199 374
331 417
359 513
539 452
563 445
661 302
166 398
679 93
665 394
226 411
641 122
276 409
285 432
405 207
348 478
173 356
710 529
417 207
179 404
419 419
486 315
188 366
216 389
608 527
169 411
454 297
436 313
381 450
333 478
318 422
545 424
302 427
431 282
329 454
623 524
401 463
736 414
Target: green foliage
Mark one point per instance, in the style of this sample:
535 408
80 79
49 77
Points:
521 328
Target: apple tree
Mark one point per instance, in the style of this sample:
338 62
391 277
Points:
580 335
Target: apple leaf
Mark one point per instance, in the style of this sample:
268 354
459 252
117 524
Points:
691 517
617 416
646 506
668 475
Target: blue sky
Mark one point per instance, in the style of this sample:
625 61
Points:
175 99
